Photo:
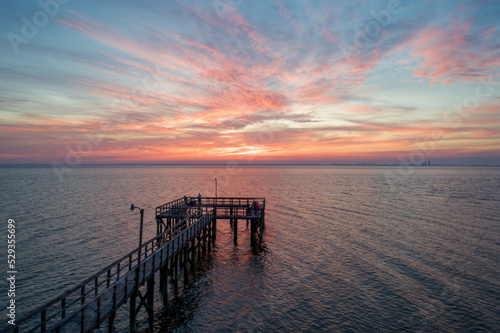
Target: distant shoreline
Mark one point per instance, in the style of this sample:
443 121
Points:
253 164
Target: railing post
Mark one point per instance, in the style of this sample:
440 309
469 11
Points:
98 312
63 308
115 307
150 301
83 295
96 286
126 288
193 252
204 231
44 321
132 322
83 327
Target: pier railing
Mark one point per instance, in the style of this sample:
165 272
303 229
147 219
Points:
84 307
179 205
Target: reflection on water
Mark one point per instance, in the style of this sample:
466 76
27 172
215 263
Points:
184 305
343 250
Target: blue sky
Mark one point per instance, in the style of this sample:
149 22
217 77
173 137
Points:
273 81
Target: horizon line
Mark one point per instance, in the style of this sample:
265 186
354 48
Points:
250 164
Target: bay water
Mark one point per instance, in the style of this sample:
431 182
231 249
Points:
346 248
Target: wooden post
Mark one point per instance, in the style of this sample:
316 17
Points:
235 230
83 323
204 239
133 314
253 229
261 230
215 222
193 252
111 324
209 236
231 220
44 321
186 261
164 282
111 320
151 300
176 271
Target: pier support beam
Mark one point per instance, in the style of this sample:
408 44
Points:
176 271
209 236
253 229
193 253
185 251
150 301
133 314
235 231
111 324
215 222
164 282
214 229
204 240
173 272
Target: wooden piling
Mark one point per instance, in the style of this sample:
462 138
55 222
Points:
111 324
133 314
150 301
185 251
204 240
164 282
235 231
193 253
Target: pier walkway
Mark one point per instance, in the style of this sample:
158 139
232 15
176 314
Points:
185 230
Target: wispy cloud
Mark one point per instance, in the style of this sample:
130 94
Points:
176 81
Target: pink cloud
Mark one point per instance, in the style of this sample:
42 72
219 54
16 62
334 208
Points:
455 53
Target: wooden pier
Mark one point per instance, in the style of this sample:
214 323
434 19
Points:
185 230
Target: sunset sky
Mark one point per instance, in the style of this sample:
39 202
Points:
85 82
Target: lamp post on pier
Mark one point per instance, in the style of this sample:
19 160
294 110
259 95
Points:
133 297
132 207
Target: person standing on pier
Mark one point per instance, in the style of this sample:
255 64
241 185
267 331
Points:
199 199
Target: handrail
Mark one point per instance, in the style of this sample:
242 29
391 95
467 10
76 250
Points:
184 230
212 201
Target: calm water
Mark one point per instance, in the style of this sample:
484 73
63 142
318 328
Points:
344 249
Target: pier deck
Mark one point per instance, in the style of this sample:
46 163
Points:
183 230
